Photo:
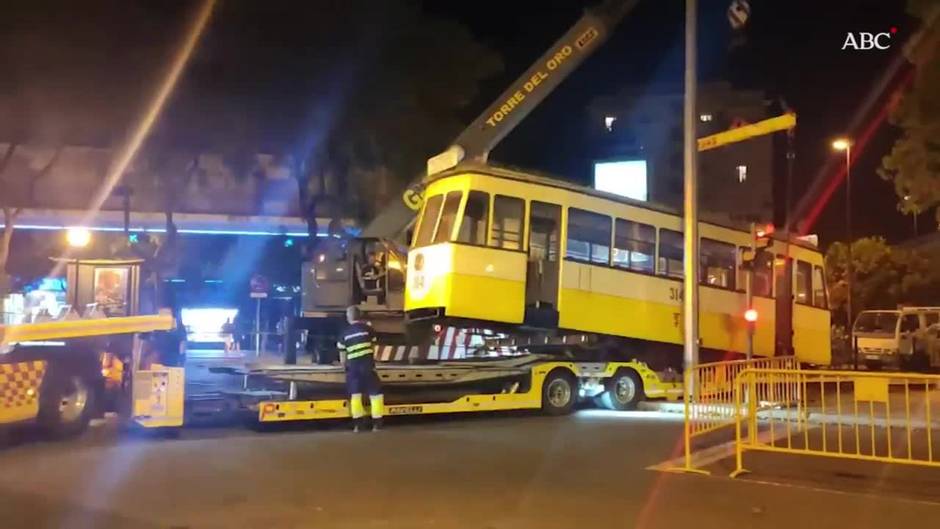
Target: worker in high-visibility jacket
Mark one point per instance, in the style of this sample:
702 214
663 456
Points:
357 349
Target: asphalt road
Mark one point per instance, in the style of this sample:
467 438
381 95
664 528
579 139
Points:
490 472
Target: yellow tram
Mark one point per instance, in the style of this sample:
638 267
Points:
498 246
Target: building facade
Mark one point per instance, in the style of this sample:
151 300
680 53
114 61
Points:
644 124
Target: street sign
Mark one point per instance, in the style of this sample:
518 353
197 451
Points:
768 126
259 286
738 13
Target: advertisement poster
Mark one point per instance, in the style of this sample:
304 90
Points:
111 290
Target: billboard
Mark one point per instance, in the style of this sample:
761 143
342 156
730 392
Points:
627 178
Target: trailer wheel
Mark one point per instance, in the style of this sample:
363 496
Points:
66 402
623 391
559 393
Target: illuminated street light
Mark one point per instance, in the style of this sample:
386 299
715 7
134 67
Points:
844 144
78 237
841 144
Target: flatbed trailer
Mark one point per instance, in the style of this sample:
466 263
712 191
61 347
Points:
527 382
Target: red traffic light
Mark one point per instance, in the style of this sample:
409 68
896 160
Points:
765 231
750 315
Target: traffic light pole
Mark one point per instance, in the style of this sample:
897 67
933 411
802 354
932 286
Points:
849 265
749 291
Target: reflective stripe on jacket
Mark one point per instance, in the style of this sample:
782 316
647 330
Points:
357 340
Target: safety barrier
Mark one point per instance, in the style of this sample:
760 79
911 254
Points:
885 417
709 402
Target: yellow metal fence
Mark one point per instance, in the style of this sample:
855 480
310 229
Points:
885 417
710 395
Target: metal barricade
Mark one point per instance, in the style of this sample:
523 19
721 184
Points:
709 402
884 417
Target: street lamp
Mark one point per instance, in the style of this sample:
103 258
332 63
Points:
78 237
844 144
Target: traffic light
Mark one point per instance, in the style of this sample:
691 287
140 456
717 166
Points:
763 236
763 241
132 238
288 242
750 315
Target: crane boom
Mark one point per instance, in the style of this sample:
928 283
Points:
509 109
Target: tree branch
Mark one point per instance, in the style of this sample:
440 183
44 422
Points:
44 172
7 156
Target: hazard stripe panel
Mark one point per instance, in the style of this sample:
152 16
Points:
451 343
19 390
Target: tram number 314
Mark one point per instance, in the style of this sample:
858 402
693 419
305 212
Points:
675 294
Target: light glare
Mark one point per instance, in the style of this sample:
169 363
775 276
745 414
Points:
78 237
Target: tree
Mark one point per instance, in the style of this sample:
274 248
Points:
19 189
363 104
914 161
884 277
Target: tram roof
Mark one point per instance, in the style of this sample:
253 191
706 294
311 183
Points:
548 180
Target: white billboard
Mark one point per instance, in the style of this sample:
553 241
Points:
626 178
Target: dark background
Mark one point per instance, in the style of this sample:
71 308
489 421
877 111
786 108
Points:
789 49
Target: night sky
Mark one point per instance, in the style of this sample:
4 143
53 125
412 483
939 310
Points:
791 50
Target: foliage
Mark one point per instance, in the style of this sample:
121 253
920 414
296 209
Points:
384 91
914 161
884 277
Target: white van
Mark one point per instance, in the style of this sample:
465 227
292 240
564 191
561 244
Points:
907 338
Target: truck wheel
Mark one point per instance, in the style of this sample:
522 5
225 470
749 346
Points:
624 391
559 393
66 403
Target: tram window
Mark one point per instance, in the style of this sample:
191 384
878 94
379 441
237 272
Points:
432 209
763 274
448 216
588 237
717 264
508 213
473 225
670 253
634 246
804 283
819 288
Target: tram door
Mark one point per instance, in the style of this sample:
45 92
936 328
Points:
542 268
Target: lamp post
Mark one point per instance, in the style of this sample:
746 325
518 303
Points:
844 144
